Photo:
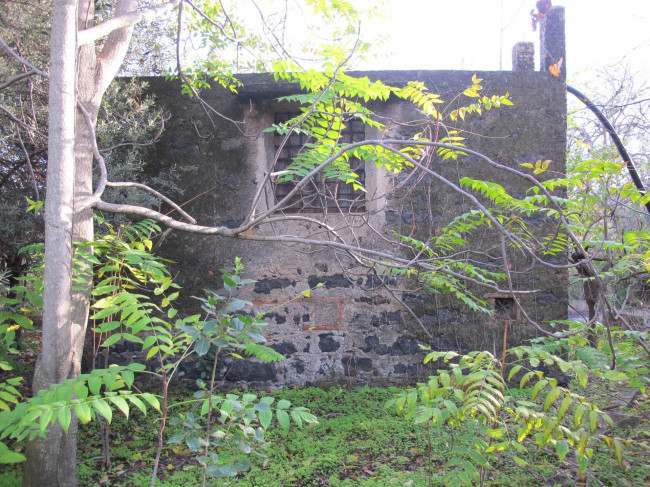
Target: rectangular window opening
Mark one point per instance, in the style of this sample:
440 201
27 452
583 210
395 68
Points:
319 194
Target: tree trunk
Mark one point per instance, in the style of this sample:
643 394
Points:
83 230
51 461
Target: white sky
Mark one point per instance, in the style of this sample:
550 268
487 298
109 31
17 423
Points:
466 34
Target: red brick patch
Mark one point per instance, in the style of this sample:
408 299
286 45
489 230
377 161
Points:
325 313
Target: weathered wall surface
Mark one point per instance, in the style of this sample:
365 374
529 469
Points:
351 328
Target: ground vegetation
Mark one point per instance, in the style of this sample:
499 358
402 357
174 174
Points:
87 48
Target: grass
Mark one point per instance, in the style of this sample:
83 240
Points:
356 443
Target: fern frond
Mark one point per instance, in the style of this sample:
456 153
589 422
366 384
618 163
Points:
263 353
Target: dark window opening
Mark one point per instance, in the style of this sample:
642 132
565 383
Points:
505 308
319 195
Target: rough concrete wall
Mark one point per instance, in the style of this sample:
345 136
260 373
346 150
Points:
350 328
531 130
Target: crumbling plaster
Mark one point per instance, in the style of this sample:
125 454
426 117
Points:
350 328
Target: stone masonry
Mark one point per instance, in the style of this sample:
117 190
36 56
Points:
350 329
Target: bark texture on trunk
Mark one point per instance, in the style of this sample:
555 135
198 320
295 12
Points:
51 461
76 75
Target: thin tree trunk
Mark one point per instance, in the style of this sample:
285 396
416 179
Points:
75 75
51 461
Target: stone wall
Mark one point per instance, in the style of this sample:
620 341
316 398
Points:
351 328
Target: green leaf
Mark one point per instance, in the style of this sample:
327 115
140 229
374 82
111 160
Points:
618 451
227 471
107 326
65 416
262 352
615 375
8 456
111 340
64 392
177 438
149 341
236 305
22 321
83 412
80 390
477 457
578 412
128 377
513 371
562 448
152 351
296 418
137 403
131 338
121 404
45 419
522 433
551 398
112 381
152 400
103 409
564 407
305 415
193 443
94 384
521 462
202 346
538 387
8 397
581 374
265 418
104 313
593 420
283 419
524 380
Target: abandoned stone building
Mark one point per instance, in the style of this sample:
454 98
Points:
351 327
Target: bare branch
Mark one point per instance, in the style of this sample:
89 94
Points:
21 60
155 139
16 165
242 230
161 218
205 105
14 119
623 105
523 311
213 23
152 191
369 255
29 163
103 176
105 28
280 44
112 54
16 78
